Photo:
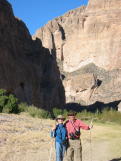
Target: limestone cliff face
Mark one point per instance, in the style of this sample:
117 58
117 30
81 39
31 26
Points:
86 35
87 40
26 67
103 4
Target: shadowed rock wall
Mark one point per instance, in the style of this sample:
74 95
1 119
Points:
26 67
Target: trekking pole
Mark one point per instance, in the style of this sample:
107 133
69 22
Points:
51 150
91 125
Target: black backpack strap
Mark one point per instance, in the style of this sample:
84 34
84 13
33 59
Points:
73 126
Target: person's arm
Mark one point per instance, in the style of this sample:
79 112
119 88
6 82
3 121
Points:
64 134
53 132
83 125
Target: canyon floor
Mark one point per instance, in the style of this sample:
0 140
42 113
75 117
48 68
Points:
23 138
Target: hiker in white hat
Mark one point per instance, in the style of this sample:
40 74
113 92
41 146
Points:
60 134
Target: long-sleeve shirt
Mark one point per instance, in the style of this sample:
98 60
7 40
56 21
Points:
76 125
59 133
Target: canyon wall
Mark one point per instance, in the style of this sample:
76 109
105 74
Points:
87 45
27 69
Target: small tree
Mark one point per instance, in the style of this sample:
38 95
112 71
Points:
8 102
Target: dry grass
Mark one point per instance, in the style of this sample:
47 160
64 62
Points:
105 141
23 138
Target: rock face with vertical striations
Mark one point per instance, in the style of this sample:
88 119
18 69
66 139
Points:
87 41
26 67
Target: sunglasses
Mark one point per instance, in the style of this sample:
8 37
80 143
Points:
60 119
71 115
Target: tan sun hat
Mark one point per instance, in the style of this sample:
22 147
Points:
60 117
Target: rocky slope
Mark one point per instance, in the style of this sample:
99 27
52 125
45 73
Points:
87 45
27 69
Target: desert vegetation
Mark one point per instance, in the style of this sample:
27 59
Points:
10 104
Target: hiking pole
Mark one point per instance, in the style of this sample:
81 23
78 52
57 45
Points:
51 150
91 125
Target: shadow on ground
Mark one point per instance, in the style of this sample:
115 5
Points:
116 159
100 106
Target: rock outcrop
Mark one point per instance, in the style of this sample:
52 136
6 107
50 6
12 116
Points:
87 45
119 107
27 68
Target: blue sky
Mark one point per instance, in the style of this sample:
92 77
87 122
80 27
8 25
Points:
36 13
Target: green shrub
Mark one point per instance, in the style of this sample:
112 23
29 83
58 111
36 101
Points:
22 107
57 111
36 112
65 113
85 115
110 116
33 111
8 102
105 116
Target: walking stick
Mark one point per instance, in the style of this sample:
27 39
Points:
91 125
51 150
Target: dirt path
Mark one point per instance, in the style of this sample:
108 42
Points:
23 138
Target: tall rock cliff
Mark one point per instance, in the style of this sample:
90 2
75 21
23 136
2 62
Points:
87 45
26 67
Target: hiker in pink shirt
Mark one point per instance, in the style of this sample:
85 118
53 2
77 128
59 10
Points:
73 126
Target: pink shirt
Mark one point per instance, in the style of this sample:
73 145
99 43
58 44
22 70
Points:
76 125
